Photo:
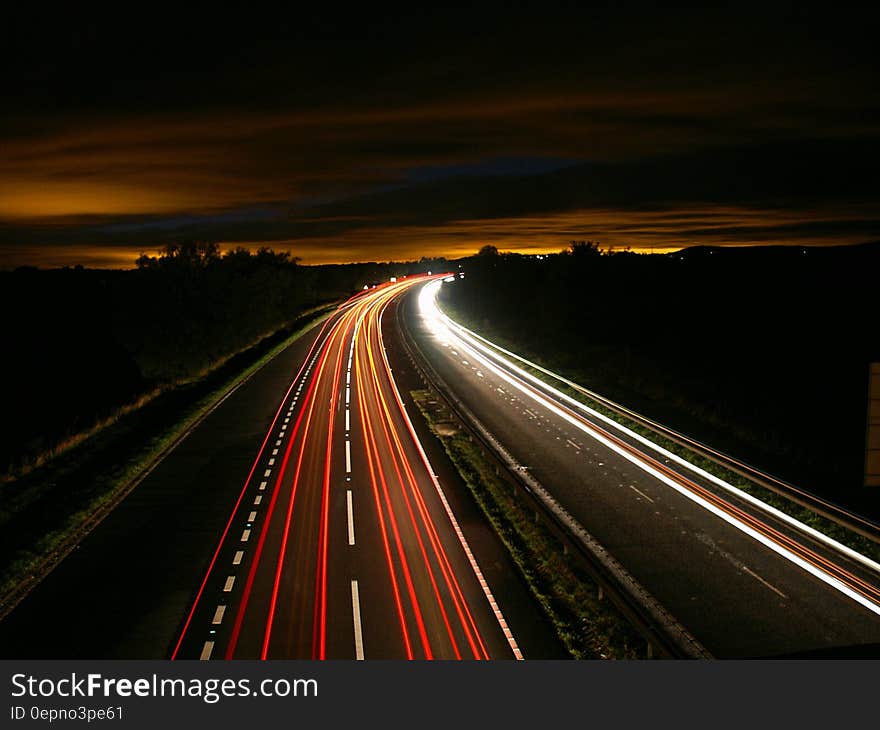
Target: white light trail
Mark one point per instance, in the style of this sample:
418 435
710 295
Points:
449 332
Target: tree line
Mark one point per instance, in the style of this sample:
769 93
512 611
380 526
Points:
81 342
760 351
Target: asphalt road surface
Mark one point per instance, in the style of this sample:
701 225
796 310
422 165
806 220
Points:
744 582
341 544
300 519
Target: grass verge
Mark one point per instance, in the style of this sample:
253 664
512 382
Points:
589 627
803 514
45 513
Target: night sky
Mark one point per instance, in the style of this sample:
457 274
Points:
350 137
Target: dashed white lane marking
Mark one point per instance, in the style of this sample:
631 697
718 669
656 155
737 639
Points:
230 581
218 615
262 485
479 374
271 462
286 420
347 420
744 528
206 651
245 536
267 472
348 377
278 442
572 444
239 554
639 491
348 457
356 616
769 585
350 517
274 452
258 499
252 516
347 394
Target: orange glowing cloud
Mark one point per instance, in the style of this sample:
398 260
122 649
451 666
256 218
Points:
202 162
647 231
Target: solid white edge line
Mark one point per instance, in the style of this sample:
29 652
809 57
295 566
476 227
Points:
812 532
356 619
493 604
767 542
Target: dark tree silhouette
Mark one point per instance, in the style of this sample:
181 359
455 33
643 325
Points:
118 334
739 347
583 249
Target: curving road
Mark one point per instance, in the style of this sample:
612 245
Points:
744 580
312 527
338 541
342 543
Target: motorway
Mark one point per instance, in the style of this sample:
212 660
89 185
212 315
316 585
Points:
299 519
744 580
303 519
341 543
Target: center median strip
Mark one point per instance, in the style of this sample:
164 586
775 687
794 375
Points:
663 633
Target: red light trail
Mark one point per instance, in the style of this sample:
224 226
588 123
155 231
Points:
289 604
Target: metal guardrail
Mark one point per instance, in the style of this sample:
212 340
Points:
660 629
839 515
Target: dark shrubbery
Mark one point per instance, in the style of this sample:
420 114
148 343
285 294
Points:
80 343
761 352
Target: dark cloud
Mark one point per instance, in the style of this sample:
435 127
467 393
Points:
360 136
